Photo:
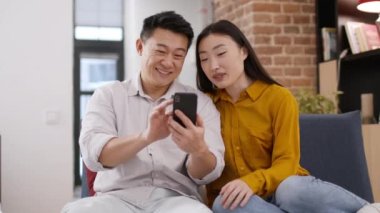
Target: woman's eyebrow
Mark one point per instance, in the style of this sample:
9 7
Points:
216 47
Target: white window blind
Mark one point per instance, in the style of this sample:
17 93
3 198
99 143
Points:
99 13
99 20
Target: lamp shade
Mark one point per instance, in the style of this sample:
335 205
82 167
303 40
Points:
369 6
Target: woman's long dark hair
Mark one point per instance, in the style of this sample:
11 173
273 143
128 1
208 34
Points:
252 66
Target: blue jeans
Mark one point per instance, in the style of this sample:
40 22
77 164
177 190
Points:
301 194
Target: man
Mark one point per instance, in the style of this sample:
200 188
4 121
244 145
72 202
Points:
147 162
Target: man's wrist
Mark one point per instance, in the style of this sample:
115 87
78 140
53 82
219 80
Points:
202 152
143 137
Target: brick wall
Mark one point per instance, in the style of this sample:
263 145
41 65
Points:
282 33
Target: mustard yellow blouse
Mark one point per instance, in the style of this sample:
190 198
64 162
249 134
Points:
261 136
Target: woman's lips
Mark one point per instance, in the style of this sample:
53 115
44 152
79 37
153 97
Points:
219 76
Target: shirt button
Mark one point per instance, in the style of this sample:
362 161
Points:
238 148
242 168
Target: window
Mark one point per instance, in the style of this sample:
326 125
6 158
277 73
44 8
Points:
98 57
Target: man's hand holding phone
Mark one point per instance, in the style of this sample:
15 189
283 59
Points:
186 126
186 103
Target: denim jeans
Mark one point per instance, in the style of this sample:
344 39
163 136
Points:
301 194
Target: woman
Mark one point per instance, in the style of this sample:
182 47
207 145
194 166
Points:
260 128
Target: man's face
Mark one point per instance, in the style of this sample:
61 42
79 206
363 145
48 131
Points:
162 57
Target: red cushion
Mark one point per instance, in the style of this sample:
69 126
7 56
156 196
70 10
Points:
90 181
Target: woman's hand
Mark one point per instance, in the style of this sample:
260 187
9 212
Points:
235 193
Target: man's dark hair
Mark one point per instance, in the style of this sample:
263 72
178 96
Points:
168 20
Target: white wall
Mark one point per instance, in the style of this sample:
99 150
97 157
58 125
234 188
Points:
36 66
197 12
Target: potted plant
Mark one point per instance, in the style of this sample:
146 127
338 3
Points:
312 103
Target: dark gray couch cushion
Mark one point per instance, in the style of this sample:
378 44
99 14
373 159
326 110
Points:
332 150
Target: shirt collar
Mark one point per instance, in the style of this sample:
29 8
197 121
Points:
253 91
257 88
135 88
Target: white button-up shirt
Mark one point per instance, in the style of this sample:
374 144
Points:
121 109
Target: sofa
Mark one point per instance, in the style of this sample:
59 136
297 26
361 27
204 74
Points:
331 149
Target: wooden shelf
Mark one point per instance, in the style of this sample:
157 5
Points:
371 139
368 55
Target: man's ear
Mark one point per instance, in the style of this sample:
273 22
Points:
139 46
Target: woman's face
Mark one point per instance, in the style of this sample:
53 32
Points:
222 60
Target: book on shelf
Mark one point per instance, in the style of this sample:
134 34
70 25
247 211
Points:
362 37
329 43
350 27
368 36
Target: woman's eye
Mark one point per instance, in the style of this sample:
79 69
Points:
222 53
203 59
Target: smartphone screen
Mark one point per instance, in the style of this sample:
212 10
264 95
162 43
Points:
186 103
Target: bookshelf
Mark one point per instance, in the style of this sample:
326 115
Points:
359 73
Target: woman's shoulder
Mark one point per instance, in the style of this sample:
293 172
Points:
280 90
263 89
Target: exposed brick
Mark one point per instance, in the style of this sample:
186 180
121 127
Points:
302 40
281 19
282 40
301 19
293 49
292 71
262 39
262 18
291 8
282 33
268 50
308 9
247 20
310 50
248 9
275 71
291 29
284 82
308 30
266 29
266 7
302 60
301 82
282 60
265 60
309 71
243 1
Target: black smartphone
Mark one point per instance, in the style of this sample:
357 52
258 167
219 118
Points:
187 103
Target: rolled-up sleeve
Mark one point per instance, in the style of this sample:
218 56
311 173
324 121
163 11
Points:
213 138
98 127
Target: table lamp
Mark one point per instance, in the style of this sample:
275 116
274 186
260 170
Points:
370 6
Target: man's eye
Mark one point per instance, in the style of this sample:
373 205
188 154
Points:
160 51
179 56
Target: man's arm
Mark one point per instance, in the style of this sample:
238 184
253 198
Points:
99 142
201 163
191 140
120 150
